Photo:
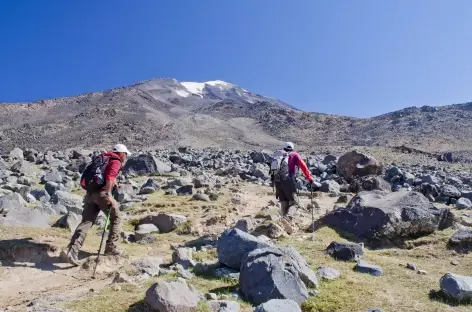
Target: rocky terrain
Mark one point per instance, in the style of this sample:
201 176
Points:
386 231
166 113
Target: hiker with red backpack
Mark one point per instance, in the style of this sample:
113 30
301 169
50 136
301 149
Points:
99 181
284 169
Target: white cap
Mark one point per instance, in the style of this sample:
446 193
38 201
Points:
288 145
120 148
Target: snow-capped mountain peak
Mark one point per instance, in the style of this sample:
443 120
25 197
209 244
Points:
198 88
190 93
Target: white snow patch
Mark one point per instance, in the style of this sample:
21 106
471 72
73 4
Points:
219 83
182 93
194 87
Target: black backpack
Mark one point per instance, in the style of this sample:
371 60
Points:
92 178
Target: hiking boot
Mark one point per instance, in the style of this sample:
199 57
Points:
113 251
71 257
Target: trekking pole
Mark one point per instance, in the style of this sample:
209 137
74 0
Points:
312 210
101 242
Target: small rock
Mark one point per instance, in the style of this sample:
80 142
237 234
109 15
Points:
328 273
279 305
223 306
411 266
182 272
150 266
454 262
116 287
122 278
211 296
245 224
183 256
201 197
364 267
225 272
185 190
345 251
461 240
422 272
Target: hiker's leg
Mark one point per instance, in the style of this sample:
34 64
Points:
115 222
292 205
284 207
89 215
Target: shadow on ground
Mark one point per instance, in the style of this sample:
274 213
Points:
23 252
439 295
140 306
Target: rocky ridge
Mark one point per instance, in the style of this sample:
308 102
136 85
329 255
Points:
167 113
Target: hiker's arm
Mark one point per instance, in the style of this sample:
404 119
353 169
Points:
304 168
111 172
110 182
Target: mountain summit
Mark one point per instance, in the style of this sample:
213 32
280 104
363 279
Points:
189 93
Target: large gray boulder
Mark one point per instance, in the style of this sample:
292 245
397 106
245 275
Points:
369 183
73 203
69 221
330 186
52 175
124 192
2 165
52 187
356 164
271 273
457 286
12 201
42 195
234 244
145 164
164 222
149 187
381 216
25 217
450 191
16 153
174 296
25 168
264 156
279 305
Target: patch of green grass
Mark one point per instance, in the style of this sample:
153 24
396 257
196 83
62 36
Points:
398 289
262 215
202 307
185 228
202 256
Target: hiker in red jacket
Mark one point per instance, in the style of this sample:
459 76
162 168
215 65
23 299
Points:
99 180
284 168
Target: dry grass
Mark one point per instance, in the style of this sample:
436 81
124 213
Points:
399 289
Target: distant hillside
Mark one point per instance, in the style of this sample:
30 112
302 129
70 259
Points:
168 113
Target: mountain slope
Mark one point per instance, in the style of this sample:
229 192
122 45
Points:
167 113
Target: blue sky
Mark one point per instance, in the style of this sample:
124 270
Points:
359 58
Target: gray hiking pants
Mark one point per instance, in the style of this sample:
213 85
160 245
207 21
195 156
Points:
93 203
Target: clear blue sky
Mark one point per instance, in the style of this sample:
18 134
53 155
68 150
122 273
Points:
350 57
